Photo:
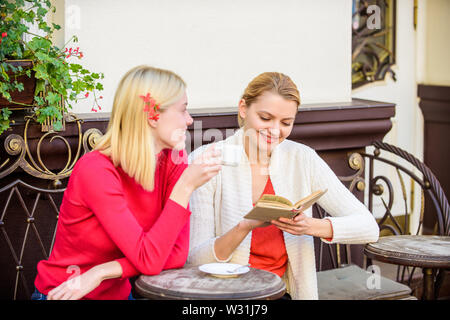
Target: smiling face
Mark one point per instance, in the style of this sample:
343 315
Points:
267 121
169 130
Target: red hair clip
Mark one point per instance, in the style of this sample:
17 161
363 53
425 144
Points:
151 107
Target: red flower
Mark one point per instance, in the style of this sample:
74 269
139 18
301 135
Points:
146 98
101 97
87 94
150 106
93 109
4 34
99 108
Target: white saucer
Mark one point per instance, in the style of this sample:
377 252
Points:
221 269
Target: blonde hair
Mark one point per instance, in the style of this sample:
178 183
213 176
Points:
275 82
128 140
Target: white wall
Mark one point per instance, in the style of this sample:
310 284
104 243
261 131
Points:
433 64
218 46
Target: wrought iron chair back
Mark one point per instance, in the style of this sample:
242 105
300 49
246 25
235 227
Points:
29 234
341 255
30 208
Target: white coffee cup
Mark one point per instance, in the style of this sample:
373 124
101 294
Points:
231 154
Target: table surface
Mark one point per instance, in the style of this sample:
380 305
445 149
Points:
411 250
191 283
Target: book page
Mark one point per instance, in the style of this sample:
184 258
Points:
307 202
272 207
270 198
270 204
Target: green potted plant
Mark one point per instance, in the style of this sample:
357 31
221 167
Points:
35 74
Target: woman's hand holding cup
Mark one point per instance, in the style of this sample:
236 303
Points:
203 168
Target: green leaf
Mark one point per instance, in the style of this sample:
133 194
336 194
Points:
4 119
6 95
18 86
29 17
53 98
50 111
40 85
19 51
43 56
43 26
20 3
39 101
6 113
41 71
10 6
87 78
39 44
41 12
5 75
4 125
78 86
57 125
75 67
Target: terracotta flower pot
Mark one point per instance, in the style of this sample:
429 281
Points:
29 83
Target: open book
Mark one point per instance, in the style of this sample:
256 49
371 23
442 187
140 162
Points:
272 207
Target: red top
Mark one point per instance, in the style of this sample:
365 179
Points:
267 250
105 215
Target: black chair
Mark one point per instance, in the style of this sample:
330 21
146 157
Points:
348 281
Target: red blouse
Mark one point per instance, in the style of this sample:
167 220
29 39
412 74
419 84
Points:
267 250
106 215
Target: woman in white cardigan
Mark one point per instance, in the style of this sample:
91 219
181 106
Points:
219 233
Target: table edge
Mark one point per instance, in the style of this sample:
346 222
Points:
405 258
275 294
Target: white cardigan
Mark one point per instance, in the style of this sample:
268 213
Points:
295 171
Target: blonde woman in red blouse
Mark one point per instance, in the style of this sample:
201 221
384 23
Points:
125 210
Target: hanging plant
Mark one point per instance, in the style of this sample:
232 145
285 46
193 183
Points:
59 80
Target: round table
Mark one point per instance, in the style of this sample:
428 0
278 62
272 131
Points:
190 283
426 252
